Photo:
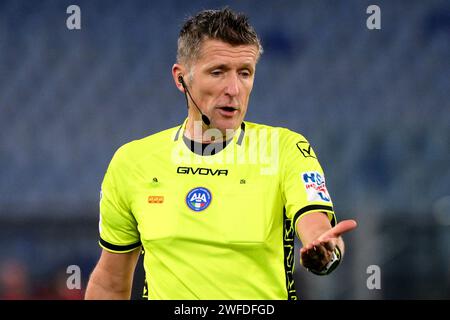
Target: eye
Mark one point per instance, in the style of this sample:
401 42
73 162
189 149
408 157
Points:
245 73
216 73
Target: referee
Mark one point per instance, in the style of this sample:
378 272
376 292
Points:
215 202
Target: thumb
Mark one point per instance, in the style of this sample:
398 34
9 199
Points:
339 229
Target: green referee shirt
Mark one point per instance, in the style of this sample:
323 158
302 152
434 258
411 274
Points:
215 226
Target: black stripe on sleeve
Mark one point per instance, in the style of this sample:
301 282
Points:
288 248
114 247
314 207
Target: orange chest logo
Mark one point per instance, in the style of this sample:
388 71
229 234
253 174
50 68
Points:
155 199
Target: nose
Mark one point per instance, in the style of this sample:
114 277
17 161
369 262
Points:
232 86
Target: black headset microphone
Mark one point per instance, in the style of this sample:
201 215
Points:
205 119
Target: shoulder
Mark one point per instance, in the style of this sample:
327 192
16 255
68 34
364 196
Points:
285 135
139 148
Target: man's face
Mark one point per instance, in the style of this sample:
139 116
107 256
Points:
222 80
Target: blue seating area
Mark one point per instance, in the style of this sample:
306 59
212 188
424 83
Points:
373 103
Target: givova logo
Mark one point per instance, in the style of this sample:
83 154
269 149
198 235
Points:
198 199
316 189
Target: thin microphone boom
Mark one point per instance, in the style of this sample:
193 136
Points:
205 119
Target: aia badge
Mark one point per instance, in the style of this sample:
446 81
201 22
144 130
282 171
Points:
316 189
198 199
306 149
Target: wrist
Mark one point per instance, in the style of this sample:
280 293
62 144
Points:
335 260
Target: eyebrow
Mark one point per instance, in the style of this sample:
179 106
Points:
218 66
226 67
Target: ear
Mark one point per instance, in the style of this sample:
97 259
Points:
178 70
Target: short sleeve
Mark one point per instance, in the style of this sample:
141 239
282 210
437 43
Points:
303 180
117 225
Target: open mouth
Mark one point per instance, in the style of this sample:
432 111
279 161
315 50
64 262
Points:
228 109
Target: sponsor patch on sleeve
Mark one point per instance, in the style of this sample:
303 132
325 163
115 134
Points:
316 189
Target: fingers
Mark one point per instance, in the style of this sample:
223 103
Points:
317 251
327 244
314 256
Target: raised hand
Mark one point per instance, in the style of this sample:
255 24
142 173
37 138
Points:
317 254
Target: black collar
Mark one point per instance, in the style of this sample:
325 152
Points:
205 149
224 144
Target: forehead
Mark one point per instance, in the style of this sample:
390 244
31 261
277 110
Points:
215 51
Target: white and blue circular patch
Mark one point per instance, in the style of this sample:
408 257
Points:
198 199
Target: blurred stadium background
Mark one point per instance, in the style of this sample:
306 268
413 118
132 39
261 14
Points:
374 104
